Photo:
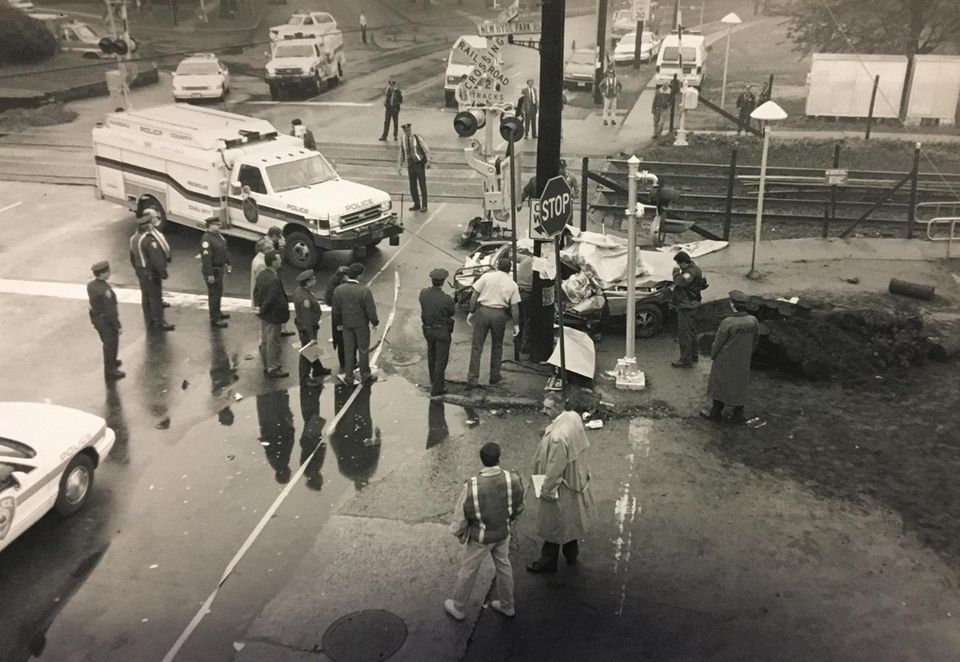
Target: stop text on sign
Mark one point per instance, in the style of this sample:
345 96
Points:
555 206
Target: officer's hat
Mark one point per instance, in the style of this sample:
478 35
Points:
304 276
147 218
405 126
100 267
439 274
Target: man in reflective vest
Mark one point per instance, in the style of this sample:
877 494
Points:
150 264
489 503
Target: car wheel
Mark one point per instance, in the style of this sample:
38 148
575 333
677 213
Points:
449 98
649 321
152 203
274 93
374 244
302 253
75 485
91 56
317 83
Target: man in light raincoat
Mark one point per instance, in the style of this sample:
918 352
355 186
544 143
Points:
566 501
733 347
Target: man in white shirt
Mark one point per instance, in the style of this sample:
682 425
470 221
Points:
414 153
494 294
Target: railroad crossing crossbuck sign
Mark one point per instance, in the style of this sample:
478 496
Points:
556 206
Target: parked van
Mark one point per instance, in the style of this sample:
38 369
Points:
460 64
691 52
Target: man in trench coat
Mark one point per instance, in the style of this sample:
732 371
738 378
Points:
566 503
733 347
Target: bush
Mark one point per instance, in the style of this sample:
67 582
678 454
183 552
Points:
23 39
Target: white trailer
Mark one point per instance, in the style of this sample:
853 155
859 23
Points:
189 163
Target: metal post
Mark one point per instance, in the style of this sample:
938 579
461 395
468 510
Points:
513 204
833 189
914 174
676 14
633 164
681 137
873 100
558 295
703 4
826 219
731 184
636 48
601 49
584 179
753 273
726 61
674 88
173 10
120 65
126 56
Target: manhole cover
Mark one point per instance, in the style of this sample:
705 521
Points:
364 636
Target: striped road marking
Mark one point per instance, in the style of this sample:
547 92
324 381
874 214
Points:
9 207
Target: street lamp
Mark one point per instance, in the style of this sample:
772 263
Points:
730 20
765 113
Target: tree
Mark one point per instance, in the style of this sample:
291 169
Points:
874 26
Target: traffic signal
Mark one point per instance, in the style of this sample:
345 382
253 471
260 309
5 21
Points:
511 128
467 122
113 46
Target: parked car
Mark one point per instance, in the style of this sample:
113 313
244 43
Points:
48 456
579 69
201 76
22 5
626 48
304 25
623 23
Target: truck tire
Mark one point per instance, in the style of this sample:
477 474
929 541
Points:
302 253
449 98
75 485
154 204
274 92
317 84
649 320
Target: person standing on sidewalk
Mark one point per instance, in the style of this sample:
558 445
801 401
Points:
105 318
150 265
494 296
746 103
308 314
258 264
529 104
488 504
566 500
436 313
392 100
215 263
688 283
161 240
339 277
363 27
354 311
733 347
415 154
610 88
660 109
271 299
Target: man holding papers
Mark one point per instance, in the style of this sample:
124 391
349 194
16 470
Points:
566 502
308 324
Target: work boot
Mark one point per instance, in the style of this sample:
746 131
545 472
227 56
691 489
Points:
164 326
497 606
165 304
738 418
224 316
277 373
711 414
681 364
451 609
571 550
115 375
322 372
541 566
218 324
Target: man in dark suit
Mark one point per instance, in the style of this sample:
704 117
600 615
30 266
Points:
308 324
436 313
353 312
271 300
415 154
529 104
392 98
105 319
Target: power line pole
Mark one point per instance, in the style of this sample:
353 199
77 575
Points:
601 49
553 13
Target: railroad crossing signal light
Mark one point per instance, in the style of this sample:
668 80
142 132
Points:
113 46
511 128
467 122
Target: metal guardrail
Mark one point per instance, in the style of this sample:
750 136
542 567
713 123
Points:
943 220
951 207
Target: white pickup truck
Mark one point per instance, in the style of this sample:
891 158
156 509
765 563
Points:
189 163
305 64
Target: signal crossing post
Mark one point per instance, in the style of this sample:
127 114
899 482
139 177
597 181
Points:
121 57
555 211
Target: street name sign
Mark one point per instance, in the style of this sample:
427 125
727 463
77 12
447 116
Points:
556 206
512 27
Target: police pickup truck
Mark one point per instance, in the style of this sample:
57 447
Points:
189 163
305 63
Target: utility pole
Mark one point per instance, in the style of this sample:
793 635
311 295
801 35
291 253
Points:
601 50
553 13
125 35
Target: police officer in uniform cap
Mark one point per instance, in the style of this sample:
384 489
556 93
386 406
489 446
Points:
308 324
215 259
150 264
436 312
105 319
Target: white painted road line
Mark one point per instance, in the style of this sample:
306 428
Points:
124 295
9 207
626 509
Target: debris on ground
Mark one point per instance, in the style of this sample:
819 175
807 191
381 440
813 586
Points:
853 280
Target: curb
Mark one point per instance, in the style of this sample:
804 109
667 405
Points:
98 89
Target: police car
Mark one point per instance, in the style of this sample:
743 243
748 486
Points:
201 76
304 25
48 455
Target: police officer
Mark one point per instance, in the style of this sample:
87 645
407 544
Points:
688 283
150 264
105 319
158 235
215 259
436 312
308 324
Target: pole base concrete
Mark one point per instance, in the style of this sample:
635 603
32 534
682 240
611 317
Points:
628 376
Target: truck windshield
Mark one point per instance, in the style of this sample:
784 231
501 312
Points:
293 50
300 173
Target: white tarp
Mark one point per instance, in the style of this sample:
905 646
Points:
841 84
581 354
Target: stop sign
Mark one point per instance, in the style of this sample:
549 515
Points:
556 206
